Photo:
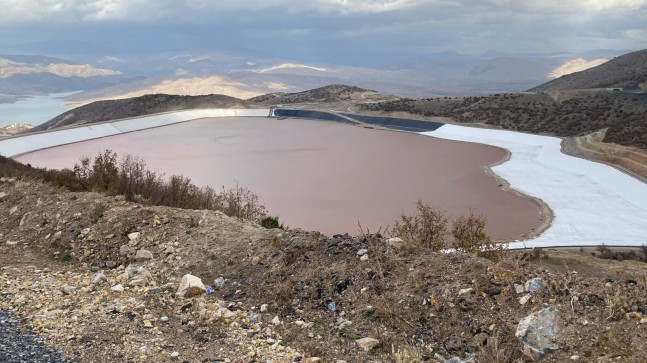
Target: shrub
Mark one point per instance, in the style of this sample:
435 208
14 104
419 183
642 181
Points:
270 222
426 229
469 236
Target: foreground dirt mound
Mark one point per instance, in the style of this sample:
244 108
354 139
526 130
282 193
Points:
98 277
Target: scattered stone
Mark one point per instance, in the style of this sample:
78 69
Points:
367 343
264 308
164 319
191 286
636 316
225 313
174 355
313 360
68 289
462 292
148 324
133 236
395 242
255 260
643 320
332 306
364 258
362 252
533 285
255 319
524 299
219 283
111 264
575 358
118 288
126 250
537 332
99 279
276 321
479 340
143 255
519 289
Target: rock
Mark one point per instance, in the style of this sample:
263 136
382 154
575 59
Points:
174 355
143 255
255 260
117 288
68 289
164 319
364 258
134 236
519 289
13 210
367 343
332 306
264 308
99 279
537 332
219 283
137 275
276 321
362 252
479 340
225 313
313 360
643 320
533 285
111 264
255 319
462 292
636 316
524 299
575 358
2 195
395 242
148 324
191 286
126 250
11 243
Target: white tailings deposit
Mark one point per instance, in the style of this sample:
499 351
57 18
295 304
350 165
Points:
592 203
22 144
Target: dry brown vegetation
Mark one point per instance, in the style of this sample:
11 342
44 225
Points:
131 178
430 229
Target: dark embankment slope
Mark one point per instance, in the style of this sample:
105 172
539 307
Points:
131 107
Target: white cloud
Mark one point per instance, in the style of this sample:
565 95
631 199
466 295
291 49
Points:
639 35
137 10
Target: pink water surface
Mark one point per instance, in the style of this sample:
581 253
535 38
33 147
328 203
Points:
320 175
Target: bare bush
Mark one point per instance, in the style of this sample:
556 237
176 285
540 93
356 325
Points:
469 236
426 229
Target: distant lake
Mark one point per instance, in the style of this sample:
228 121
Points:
34 110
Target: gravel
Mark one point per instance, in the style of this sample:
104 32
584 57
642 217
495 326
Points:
19 344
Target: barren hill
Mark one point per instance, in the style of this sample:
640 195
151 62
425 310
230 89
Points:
326 94
131 107
96 277
629 70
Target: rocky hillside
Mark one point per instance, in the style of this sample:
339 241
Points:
629 70
570 113
131 107
327 94
103 280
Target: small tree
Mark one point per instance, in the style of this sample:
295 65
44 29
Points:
426 229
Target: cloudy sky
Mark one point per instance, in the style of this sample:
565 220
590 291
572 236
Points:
324 31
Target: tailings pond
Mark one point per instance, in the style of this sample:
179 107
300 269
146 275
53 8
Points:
322 175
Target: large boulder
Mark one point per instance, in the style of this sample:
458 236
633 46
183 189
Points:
191 286
537 332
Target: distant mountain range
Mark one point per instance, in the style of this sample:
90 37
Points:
24 76
626 71
433 75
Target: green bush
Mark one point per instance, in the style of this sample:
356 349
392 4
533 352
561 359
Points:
270 222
